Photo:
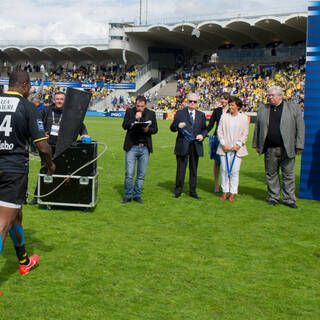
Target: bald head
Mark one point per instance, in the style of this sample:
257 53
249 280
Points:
19 81
18 77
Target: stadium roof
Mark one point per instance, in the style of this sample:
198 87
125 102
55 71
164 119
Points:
197 37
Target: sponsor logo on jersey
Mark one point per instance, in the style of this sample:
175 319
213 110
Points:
4 145
40 125
9 104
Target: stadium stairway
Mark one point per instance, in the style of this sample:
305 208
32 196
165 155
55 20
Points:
170 89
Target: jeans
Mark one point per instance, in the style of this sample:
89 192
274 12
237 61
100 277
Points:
141 155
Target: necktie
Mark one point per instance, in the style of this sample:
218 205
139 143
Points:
191 117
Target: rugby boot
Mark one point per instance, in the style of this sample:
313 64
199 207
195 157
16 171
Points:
33 262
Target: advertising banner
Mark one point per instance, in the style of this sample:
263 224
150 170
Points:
310 161
117 114
83 85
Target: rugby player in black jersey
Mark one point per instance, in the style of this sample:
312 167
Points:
19 121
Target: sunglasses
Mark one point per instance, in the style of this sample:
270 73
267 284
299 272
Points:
193 101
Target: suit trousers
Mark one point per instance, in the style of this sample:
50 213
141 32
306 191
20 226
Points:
274 159
182 162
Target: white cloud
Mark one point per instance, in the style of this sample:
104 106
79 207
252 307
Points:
82 19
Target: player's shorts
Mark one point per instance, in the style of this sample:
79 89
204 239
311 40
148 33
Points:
13 189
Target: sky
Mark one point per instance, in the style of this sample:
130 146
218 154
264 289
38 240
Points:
80 20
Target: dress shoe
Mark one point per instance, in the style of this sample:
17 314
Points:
232 197
125 200
33 202
194 195
138 200
176 195
225 196
271 202
291 205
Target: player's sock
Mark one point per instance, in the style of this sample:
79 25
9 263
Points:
19 245
22 255
14 230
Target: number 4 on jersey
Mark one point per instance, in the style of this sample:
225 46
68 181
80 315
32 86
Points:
6 125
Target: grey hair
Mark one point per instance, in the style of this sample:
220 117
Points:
193 94
277 89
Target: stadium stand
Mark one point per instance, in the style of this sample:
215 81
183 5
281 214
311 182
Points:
249 83
246 58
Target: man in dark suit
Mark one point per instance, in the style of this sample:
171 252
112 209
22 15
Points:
279 134
140 124
191 126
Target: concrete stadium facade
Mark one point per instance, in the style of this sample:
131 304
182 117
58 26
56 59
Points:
138 44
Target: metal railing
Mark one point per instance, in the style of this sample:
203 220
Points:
146 68
218 16
53 42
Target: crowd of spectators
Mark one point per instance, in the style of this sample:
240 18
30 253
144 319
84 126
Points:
110 74
113 73
248 83
46 95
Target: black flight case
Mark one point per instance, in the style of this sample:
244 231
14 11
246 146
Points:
79 190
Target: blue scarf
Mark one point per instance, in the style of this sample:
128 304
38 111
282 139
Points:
186 134
229 169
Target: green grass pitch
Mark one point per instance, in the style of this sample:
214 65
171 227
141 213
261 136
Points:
179 259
